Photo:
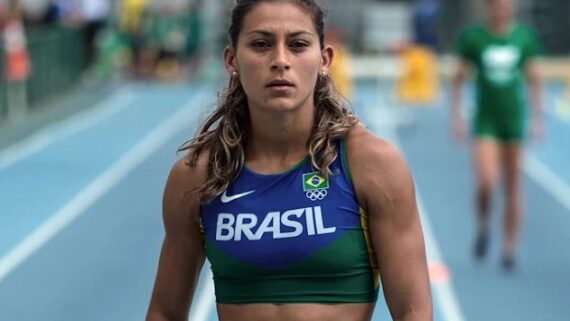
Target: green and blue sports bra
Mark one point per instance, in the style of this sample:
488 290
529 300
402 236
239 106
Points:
290 237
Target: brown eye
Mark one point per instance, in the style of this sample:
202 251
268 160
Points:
299 45
260 44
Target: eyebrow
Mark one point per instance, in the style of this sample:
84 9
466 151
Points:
268 34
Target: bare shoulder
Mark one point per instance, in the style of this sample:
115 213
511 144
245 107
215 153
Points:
378 169
183 172
181 199
366 149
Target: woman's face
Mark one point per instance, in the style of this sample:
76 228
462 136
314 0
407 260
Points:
278 57
501 10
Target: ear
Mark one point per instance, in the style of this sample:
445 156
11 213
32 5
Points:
230 60
327 56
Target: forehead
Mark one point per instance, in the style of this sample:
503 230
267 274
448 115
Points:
276 16
500 2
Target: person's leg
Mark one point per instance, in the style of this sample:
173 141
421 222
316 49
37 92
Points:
512 157
90 30
486 161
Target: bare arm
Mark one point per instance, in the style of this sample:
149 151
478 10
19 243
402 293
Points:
457 81
385 188
182 255
532 72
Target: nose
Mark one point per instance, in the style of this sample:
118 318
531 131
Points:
280 61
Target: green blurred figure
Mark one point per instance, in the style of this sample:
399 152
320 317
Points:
502 53
175 35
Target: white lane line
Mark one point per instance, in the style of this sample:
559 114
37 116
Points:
203 306
98 187
562 109
547 179
443 290
387 115
45 137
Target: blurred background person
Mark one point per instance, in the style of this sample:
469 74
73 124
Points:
502 53
194 37
87 16
2 11
418 83
16 60
93 15
169 36
131 25
35 12
425 23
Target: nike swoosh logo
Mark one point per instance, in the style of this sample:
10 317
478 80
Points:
226 199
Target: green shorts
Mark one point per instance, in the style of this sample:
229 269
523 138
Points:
503 130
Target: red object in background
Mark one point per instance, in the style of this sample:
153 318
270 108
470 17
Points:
16 57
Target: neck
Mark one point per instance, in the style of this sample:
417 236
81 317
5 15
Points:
500 27
279 138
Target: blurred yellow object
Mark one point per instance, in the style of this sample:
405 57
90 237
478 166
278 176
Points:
418 83
131 14
340 71
168 70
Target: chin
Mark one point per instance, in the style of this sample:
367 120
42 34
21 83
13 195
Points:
281 104
282 107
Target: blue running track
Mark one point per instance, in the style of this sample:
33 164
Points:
80 210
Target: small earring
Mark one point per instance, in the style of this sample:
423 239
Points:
234 73
323 73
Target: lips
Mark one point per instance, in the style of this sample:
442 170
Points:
280 83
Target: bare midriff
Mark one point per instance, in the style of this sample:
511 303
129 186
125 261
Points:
296 312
